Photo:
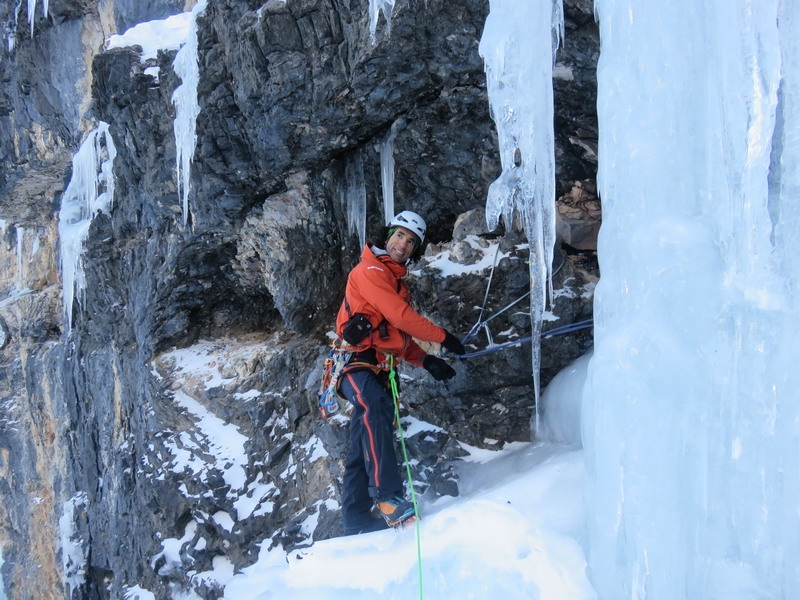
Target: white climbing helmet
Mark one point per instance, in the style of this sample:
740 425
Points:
411 221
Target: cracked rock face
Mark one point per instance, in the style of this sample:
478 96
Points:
174 422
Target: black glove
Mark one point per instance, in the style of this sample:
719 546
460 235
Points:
438 368
451 344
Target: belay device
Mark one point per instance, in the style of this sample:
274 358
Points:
332 369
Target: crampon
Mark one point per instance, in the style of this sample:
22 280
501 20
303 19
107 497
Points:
396 511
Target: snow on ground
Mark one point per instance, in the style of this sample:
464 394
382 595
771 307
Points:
514 534
213 443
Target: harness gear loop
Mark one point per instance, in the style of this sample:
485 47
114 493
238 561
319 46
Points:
332 369
396 402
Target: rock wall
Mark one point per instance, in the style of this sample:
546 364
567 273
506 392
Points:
98 416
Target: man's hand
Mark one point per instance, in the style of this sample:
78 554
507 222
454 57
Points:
438 368
451 344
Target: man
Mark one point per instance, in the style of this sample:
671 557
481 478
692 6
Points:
376 306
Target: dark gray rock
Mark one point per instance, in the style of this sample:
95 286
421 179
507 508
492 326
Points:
289 92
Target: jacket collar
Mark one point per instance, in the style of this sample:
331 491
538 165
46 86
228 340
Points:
374 253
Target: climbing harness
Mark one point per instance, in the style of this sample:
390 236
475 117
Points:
396 401
333 366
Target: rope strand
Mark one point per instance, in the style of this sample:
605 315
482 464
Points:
395 399
555 331
483 323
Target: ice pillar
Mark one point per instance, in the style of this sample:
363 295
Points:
690 407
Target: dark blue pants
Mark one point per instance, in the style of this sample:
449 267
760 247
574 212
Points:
371 471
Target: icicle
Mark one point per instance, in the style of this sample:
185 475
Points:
355 197
20 248
11 32
387 174
187 108
375 7
31 13
518 47
31 17
90 190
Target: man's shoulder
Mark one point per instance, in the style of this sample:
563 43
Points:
372 260
376 271
371 268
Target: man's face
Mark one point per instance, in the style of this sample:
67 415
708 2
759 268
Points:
401 245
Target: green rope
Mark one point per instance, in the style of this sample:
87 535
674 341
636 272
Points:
395 396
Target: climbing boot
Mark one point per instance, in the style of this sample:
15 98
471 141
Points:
396 511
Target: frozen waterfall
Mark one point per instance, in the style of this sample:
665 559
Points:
175 32
518 48
90 191
690 419
187 107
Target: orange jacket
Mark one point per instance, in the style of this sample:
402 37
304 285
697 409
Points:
375 289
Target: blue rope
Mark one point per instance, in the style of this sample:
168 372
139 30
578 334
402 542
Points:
550 333
480 323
